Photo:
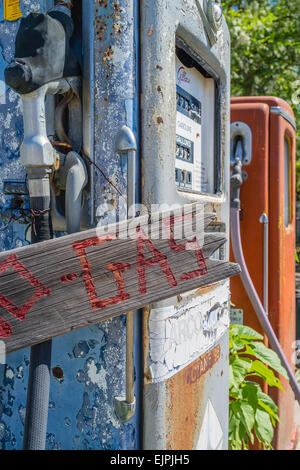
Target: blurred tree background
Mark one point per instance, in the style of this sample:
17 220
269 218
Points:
265 60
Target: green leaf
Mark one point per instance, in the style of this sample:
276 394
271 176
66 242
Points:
259 369
266 402
266 408
269 357
246 414
245 332
263 426
233 385
235 442
236 344
239 369
250 394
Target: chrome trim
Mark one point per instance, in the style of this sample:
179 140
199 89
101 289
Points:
88 94
125 407
264 219
282 112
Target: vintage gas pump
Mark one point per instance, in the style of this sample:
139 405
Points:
185 139
263 141
145 123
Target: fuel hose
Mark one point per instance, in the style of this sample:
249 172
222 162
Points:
254 298
35 428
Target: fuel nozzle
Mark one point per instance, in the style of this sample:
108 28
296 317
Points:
42 51
44 64
236 180
239 151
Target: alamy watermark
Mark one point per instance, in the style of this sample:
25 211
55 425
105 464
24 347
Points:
160 222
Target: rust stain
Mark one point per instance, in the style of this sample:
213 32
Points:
117 28
102 3
159 89
182 415
117 10
108 54
101 21
207 288
203 365
100 26
150 32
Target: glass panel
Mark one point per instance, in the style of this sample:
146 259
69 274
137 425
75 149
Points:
195 132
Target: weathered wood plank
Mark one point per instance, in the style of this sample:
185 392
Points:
55 287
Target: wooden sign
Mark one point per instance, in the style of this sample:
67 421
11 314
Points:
55 287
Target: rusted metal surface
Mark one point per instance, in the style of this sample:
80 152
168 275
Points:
185 394
200 367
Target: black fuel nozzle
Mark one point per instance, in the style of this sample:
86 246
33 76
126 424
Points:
42 52
236 181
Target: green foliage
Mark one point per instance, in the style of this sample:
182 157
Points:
265 51
251 412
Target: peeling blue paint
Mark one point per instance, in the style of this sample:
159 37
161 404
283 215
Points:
81 412
84 418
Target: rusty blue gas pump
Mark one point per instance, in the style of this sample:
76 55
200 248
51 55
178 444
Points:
137 116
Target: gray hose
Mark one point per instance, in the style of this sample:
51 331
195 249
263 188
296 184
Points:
256 303
35 428
37 397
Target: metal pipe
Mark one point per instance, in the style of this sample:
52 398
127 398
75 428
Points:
125 408
131 173
265 220
257 305
130 398
88 93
